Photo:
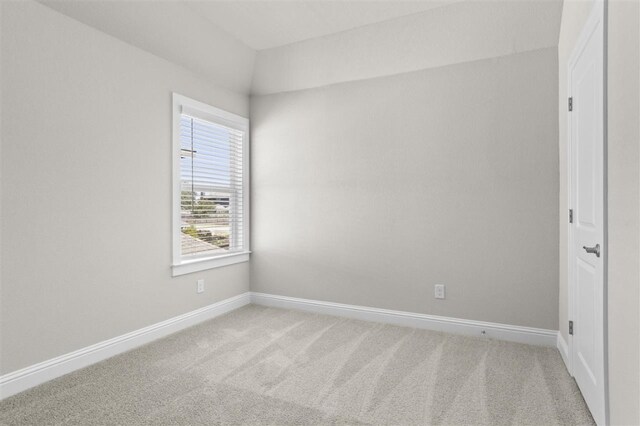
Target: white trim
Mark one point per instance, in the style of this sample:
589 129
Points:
563 348
28 377
205 111
188 267
512 333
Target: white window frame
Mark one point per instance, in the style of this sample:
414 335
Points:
215 115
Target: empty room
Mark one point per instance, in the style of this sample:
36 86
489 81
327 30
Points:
314 212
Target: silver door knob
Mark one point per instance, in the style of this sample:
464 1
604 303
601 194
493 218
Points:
595 250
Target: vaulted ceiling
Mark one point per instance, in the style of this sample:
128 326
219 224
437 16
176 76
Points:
270 23
266 46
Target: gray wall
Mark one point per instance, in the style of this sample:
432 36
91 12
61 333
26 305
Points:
624 211
86 187
371 192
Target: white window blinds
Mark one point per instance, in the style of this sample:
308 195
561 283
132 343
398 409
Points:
212 185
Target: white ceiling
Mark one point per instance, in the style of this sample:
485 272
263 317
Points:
263 24
170 30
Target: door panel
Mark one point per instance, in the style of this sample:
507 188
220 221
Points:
586 295
587 199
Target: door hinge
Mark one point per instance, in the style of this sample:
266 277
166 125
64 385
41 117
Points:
570 215
571 328
571 104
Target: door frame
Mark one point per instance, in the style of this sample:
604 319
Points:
597 15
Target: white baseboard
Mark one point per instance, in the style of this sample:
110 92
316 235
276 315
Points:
20 380
34 375
512 333
563 348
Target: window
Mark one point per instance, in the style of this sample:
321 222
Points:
210 188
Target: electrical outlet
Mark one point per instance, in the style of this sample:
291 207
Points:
200 286
439 291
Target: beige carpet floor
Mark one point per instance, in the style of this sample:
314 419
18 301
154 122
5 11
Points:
261 365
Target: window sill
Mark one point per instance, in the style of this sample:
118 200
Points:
209 263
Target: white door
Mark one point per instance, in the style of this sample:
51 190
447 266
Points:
587 202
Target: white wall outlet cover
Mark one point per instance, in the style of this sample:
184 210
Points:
439 291
200 286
